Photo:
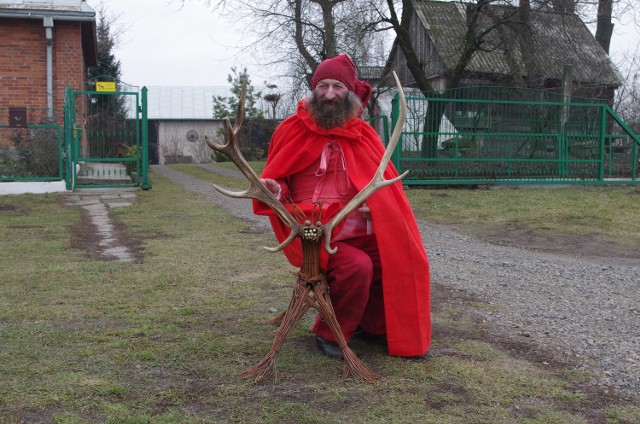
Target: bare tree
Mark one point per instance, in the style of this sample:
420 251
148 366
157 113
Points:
301 33
293 37
298 34
601 12
627 102
604 29
482 25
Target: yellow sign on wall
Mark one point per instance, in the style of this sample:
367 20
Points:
105 86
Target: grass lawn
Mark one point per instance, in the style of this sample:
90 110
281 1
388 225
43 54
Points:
84 340
610 214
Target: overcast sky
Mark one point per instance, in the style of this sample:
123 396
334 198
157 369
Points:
168 45
164 44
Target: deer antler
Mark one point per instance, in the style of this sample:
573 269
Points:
378 180
257 189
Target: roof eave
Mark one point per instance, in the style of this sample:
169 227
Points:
60 15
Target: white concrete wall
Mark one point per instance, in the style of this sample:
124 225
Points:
39 187
172 139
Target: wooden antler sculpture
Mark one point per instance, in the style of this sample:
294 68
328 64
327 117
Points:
311 289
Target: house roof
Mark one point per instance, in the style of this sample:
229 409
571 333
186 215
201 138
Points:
559 40
183 102
370 73
37 9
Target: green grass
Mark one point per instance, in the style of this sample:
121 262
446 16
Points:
84 340
257 165
608 213
611 214
204 174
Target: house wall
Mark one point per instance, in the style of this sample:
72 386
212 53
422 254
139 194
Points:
426 51
23 65
173 145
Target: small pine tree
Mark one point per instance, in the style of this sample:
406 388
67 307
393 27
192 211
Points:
107 112
107 69
226 107
254 134
108 65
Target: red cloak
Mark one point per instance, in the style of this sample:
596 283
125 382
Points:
295 144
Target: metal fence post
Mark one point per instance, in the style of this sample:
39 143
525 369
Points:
69 139
145 142
395 111
602 137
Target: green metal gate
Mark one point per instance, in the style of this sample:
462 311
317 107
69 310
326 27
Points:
491 135
106 138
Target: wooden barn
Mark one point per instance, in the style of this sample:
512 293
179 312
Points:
559 42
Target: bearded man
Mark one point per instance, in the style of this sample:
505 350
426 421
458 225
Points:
379 276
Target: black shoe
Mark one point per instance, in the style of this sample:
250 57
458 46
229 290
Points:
379 339
330 349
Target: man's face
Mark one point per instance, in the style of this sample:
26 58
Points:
330 90
330 105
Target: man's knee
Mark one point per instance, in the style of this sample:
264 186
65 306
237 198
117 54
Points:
355 265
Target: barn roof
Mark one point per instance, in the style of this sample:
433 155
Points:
183 102
558 40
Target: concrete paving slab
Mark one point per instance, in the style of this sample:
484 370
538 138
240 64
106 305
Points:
97 202
114 205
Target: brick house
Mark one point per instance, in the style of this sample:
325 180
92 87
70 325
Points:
45 45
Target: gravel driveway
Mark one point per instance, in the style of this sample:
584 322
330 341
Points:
586 309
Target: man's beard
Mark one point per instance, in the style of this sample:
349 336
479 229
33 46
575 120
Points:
333 113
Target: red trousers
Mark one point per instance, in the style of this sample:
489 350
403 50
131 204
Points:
354 275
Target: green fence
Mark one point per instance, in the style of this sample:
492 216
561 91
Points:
101 141
490 135
107 142
31 145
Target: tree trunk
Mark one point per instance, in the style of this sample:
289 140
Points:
564 6
534 78
401 28
329 27
432 121
435 111
300 41
604 29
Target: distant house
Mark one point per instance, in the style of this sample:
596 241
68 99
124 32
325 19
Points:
45 45
438 28
179 117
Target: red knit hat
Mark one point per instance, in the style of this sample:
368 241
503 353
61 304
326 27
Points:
341 68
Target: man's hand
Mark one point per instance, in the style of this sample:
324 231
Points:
271 184
365 211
